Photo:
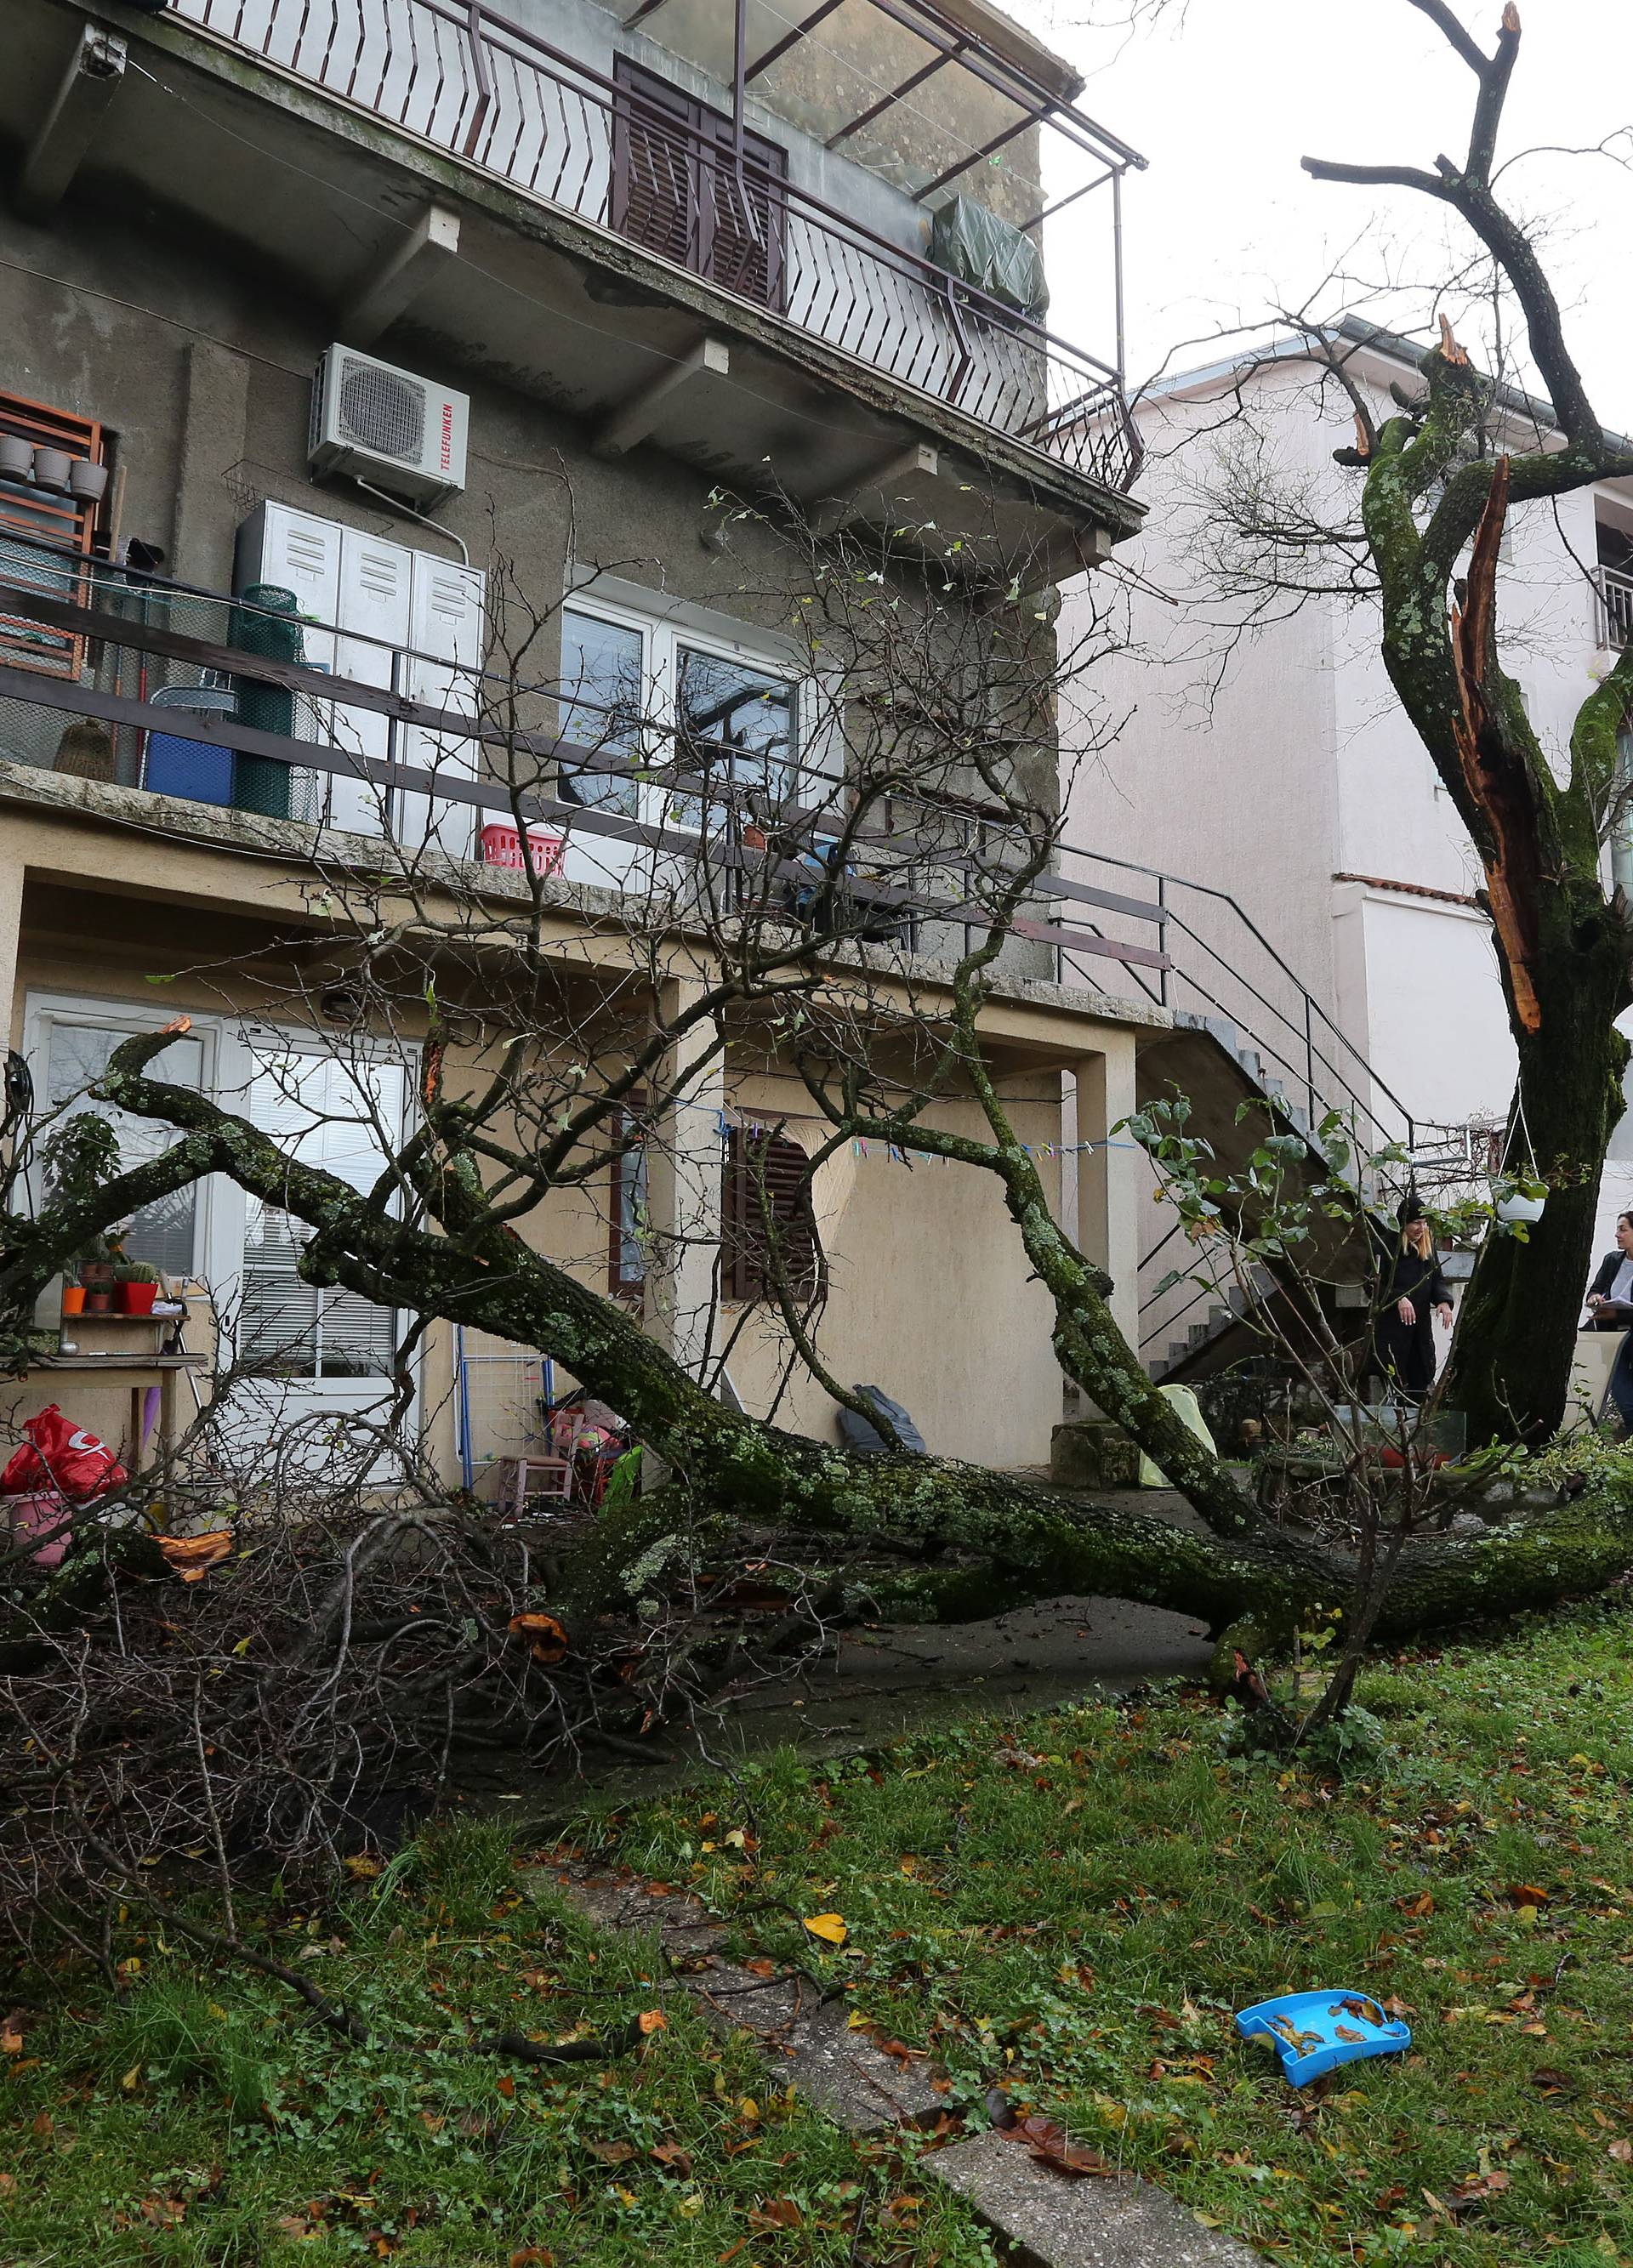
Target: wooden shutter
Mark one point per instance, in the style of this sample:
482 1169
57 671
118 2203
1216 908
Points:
740 258
61 521
675 191
626 1194
656 167
751 1159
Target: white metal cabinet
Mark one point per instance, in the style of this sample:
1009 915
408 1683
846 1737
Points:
383 613
448 636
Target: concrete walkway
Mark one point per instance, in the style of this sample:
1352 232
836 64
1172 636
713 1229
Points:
1040 2217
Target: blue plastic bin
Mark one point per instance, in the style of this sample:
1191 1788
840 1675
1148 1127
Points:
1314 2032
196 769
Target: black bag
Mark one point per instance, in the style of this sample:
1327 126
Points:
865 1441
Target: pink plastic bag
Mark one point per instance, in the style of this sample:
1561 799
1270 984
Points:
37 1515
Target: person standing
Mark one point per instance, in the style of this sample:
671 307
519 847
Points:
1610 1308
1412 1291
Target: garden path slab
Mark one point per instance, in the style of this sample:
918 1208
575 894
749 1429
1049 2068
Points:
1047 2220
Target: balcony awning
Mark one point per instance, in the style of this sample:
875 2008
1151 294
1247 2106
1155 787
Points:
933 95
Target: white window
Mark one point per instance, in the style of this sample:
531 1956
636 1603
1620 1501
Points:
342 1115
671 700
72 1041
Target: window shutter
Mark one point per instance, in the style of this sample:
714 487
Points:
656 167
626 1206
751 1160
675 191
744 258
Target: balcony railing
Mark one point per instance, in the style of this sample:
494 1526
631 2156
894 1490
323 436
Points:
465 79
1614 609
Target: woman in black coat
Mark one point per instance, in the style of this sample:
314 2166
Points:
1411 1292
1610 1308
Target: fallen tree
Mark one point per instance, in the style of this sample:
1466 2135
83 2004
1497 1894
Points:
969 1542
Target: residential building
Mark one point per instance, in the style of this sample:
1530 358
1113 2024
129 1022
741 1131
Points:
344 317
1274 764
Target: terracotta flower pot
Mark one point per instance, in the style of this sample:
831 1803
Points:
138 1298
98 1302
73 1299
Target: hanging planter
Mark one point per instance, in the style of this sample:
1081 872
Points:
1518 1193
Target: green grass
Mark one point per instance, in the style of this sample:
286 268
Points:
1073 1907
201 2119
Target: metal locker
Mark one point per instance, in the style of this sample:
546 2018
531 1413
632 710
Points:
445 671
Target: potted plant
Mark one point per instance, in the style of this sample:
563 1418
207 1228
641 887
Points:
80 1156
1519 1198
137 1287
73 1298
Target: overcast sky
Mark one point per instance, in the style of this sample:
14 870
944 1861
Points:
1225 101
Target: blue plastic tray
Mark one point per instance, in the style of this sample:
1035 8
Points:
1314 2032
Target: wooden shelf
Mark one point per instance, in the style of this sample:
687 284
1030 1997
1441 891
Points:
117 1362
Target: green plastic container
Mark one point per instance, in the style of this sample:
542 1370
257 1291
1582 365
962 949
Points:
261 784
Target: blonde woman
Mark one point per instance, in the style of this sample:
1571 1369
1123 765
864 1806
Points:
1412 1293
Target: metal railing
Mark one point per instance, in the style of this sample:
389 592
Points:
185 674
1614 606
469 82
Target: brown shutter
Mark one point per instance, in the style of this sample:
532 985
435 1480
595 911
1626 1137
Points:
675 191
656 167
782 1164
740 258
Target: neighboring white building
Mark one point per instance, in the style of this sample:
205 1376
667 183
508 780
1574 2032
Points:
1288 775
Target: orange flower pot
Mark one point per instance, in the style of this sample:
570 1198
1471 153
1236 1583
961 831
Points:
73 1299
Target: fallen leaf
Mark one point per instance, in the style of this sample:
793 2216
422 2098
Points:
652 2020
1423 1904
1621 2152
548 1636
1052 2145
361 1867
828 1926
1525 1894
760 1967
507 2086
611 2154
10 2042
532 2255
777 2213
675 2158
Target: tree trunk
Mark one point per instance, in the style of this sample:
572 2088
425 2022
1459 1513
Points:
1510 1365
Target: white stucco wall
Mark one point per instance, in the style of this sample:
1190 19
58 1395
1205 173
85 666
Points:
1286 768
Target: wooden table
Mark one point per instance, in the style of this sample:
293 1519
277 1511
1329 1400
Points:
143 1371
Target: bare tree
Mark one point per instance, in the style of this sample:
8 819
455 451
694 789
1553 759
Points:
1437 473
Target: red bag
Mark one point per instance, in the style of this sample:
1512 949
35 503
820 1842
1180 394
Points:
62 1456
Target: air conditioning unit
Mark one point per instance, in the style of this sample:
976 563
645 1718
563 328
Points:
391 429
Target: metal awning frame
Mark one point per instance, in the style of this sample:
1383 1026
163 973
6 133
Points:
1037 104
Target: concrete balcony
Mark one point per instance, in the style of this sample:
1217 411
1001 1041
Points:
441 172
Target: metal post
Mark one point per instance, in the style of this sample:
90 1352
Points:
1117 265
1162 973
738 80
1310 1056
